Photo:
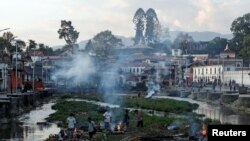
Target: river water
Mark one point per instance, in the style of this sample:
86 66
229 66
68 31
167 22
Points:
216 112
25 128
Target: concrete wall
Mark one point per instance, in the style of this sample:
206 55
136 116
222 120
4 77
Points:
237 76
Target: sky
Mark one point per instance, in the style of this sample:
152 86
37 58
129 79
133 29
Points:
40 19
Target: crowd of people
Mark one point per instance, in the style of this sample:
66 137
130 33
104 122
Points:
73 132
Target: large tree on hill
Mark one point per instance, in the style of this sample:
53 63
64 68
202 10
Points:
183 42
152 27
241 29
104 42
68 33
139 21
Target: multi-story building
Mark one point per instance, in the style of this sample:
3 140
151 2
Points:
3 76
207 73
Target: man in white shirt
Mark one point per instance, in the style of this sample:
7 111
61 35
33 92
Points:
107 119
71 124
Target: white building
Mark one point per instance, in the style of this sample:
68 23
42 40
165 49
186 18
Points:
238 76
176 52
207 73
136 69
3 76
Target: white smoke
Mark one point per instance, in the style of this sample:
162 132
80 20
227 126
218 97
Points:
75 69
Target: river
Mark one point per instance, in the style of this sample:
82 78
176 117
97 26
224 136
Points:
216 112
25 127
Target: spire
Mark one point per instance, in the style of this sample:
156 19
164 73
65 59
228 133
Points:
227 48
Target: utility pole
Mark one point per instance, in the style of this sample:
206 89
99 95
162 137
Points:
16 67
242 72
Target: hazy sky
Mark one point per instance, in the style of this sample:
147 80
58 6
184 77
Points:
40 19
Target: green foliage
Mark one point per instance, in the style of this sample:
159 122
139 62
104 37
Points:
47 51
183 41
68 33
166 105
152 27
89 46
64 109
5 42
245 51
216 46
139 21
103 42
240 28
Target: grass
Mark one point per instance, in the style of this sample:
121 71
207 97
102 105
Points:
166 105
82 110
153 125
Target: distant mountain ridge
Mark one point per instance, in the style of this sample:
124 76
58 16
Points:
197 36
201 36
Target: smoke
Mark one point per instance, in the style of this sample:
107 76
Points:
153 84
74 70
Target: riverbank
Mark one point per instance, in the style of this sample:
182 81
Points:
30 126
154 126
20 103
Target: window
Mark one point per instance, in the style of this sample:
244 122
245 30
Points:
210 70
215 70
228 69
1 76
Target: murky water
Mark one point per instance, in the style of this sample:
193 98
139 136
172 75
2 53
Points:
217 112
25 128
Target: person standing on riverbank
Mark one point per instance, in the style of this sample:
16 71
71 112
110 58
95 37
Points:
71 124
139 119
91 128
126 119
107 119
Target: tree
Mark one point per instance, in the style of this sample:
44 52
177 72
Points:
216 46
8 36
88 46
32 45
183 42
139 21
245 50
7 39
240 28
21 45
103 42
68 33
152 27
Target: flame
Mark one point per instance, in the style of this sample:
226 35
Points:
204 130
118 127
